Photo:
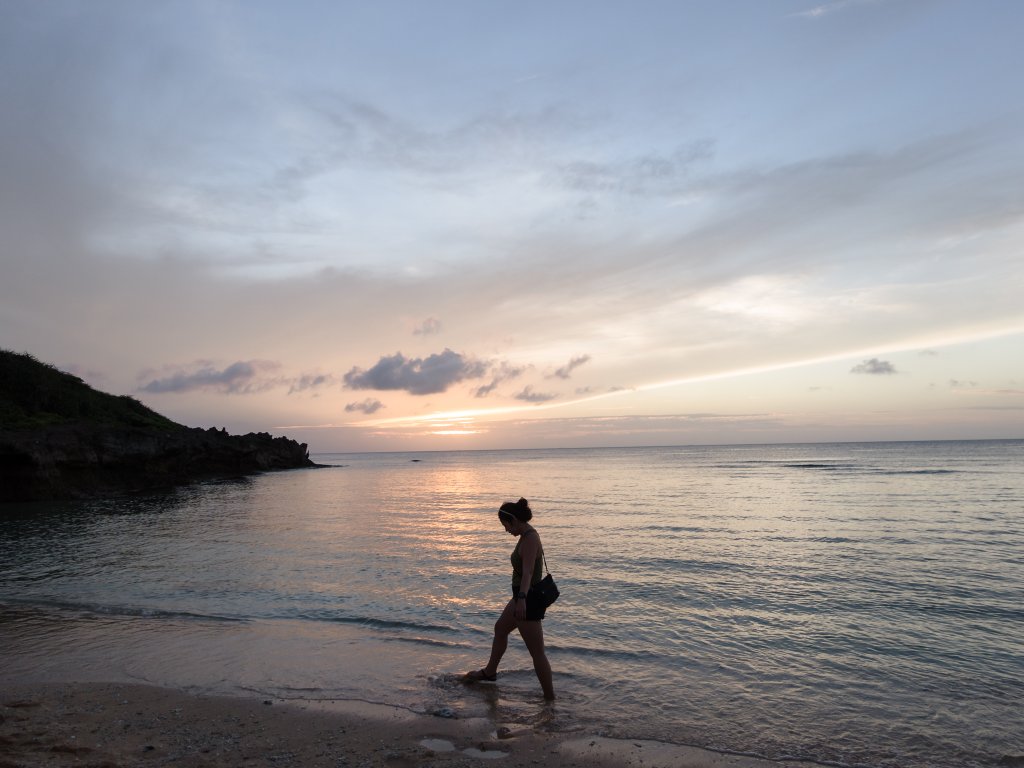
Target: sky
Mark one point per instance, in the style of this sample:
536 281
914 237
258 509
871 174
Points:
474 225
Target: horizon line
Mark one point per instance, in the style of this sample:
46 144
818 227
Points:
690 445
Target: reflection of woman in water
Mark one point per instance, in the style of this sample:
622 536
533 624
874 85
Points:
521 612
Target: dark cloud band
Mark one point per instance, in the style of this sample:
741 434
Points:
238 378
417 376
874 367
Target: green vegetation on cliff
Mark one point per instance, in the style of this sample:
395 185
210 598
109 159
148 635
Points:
35 394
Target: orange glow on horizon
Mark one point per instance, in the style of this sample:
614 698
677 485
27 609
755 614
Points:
460 419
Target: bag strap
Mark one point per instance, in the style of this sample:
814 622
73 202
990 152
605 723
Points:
543 557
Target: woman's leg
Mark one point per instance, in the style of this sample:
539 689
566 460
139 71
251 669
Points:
533 636
502 627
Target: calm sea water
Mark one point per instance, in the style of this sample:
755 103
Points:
861 604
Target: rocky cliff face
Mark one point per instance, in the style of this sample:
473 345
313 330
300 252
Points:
70 461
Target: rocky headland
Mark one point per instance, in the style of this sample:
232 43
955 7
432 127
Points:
61 439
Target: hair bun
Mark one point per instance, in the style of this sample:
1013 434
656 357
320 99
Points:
520 510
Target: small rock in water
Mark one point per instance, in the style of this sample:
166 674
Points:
268 702
444 712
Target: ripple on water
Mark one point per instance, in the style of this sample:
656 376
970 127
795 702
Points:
854 603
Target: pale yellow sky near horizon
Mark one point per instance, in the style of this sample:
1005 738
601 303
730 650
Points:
768 404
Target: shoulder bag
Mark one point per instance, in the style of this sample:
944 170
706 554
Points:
545 591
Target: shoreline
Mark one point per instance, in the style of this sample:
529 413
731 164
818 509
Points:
380 583
111 725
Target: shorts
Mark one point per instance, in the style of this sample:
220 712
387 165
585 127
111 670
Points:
534 608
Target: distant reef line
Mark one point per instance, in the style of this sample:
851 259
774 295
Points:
62 439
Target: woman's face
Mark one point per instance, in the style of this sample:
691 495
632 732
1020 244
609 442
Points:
510 524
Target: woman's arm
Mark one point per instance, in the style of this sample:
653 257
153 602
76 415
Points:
530 543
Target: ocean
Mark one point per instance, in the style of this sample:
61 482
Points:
859 604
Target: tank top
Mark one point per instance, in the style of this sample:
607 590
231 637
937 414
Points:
517 566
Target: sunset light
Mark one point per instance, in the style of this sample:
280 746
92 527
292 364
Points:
773 230
576 383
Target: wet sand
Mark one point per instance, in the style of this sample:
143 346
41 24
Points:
112 725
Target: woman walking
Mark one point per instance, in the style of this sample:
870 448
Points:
523 611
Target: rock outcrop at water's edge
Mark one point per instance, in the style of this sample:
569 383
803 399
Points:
88 460
62 439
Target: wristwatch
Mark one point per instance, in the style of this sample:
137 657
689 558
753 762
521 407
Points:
521 596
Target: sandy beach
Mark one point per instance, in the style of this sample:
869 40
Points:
109 725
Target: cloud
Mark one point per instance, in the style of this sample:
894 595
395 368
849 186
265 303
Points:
644 175
428 327
367 406
417 376
529 396
241 378
126 190
826 8
503 372
353 133
566 370
238 378
875 367
311 381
